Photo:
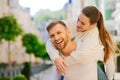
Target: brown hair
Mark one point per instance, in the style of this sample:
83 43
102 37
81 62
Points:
95 16
52 24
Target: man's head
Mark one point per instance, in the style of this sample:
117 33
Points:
59 34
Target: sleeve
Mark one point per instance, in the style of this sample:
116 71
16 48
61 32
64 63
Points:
52 51
89 50
71 23
110 68
82 58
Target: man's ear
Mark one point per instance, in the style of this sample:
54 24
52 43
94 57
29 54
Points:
68 32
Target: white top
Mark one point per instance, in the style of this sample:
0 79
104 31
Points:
82 63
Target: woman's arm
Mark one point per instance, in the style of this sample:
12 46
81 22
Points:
52 51
80 57
55 57
88 49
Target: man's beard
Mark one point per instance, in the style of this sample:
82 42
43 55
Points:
65 44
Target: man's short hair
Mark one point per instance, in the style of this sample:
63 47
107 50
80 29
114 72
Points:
52 24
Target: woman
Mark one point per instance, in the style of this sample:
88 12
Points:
91 35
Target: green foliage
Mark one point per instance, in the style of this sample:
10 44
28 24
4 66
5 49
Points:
9 28
5 78
118 64
101 65
34 45
26 71
41 52
45 15
1 37
31 42
118 46
19 77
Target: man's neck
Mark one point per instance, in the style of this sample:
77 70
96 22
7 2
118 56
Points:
70 47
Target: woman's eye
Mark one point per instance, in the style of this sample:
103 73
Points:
83 23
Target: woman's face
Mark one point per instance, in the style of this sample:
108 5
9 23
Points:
83 23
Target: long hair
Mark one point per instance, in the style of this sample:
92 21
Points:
95 16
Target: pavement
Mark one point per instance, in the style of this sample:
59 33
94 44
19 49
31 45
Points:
39 68
47 74
117 76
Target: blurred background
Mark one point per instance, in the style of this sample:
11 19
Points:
23 56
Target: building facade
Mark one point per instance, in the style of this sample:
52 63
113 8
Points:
24 19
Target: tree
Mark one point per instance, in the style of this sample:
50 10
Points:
41 52
34 45
30 42
26 71
9 30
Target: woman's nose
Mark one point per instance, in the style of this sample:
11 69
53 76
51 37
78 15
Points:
79 23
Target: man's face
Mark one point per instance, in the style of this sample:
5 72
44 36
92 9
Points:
59 36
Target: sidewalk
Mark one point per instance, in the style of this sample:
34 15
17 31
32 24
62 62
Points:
48 74
117 76
40 67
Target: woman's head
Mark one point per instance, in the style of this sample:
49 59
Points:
92 13
89 16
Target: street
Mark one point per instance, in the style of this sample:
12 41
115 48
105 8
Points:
48 74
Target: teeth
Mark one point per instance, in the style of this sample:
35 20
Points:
59 41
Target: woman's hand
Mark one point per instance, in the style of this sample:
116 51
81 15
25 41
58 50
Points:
60 65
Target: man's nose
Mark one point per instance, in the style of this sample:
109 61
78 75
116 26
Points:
56 37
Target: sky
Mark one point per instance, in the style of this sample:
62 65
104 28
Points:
36 5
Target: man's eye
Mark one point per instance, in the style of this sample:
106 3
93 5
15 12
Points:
59 33
51 36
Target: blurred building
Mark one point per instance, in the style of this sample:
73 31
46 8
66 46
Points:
110 12
74 7
23 17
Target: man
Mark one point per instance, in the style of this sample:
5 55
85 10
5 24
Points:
60 38
55 57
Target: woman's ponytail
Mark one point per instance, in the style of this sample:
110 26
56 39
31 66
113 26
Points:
105 39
